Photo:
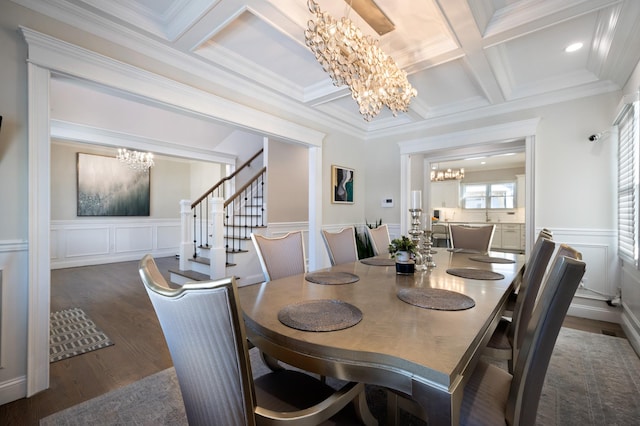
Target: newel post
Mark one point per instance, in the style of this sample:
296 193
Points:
218 252
186 239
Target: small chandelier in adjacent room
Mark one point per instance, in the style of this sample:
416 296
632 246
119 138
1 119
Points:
140 161
356 60
448 174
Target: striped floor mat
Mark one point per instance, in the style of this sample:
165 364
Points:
73 333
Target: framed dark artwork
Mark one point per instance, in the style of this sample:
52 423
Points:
341 185
108 187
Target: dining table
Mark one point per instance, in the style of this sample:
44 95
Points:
418 333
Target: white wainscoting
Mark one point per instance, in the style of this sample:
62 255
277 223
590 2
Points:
96 241
601 279
14 258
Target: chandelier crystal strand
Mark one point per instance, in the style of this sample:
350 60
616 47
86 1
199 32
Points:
140 161
355 60
448 174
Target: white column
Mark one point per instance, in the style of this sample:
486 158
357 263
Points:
186 233
39 230
218 254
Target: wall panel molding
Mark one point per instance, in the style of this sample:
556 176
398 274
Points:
107 240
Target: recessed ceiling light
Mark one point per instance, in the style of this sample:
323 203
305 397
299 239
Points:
483 162
573 47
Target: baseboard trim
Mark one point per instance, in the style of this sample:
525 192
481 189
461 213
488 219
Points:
13 389
579 308
114 258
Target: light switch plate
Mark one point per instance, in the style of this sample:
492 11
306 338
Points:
387 202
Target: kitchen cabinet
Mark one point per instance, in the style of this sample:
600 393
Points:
445 194
510 236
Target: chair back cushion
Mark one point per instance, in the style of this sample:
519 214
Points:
534 272
280 256
472 237
540 338
380 239
205 335
341 245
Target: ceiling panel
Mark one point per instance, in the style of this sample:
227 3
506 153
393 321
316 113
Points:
464 56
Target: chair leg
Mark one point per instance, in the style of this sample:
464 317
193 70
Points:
392 408
362 410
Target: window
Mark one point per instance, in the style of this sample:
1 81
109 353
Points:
628 181
496 195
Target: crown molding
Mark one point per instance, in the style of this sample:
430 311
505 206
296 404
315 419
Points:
98 136
191 64
71 60
490 134
586 90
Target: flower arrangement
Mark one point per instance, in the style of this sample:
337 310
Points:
402 244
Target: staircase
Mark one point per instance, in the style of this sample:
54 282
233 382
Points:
216 231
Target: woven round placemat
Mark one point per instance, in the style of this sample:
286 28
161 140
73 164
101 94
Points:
378 261
475 274
491 259
331 277
436 298
320 315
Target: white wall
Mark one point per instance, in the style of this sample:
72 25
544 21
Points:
382 181
345 151
287 183
13 203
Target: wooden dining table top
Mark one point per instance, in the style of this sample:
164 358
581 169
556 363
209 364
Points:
419 351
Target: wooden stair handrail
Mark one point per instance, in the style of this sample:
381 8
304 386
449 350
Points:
245 186
226 178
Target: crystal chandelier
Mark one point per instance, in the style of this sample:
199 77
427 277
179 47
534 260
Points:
140 161
449 174
354 59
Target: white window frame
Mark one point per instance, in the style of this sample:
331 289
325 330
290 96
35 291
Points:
626 127
487 196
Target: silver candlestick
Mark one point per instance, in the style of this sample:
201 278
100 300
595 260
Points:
416 232
427 258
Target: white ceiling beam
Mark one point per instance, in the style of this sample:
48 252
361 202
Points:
463 25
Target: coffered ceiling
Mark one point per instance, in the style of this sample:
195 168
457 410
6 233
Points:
466 58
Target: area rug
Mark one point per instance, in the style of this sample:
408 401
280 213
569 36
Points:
592 379
73 333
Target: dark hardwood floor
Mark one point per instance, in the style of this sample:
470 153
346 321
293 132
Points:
114 298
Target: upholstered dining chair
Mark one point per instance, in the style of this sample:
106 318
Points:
492 395
471 237
546 233
204 329
280 256
440 232
506 340
513 296
341 245
379 238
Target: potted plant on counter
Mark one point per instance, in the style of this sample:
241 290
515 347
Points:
402 249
